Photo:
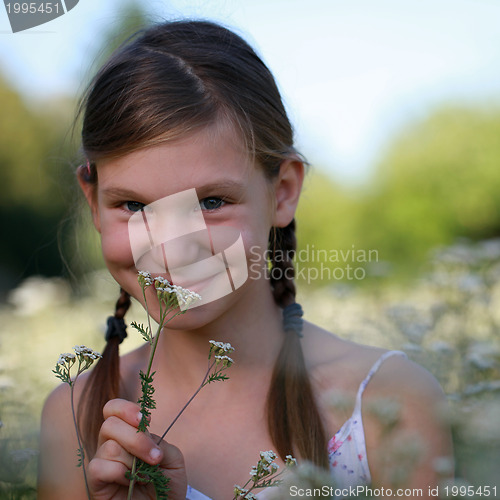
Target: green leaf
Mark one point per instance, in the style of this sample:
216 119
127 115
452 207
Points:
151 474
144 331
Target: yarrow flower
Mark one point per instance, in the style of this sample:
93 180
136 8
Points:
262 475
224 360
67 357
174 295
85 357
220 348
265 466
267 456
144 279
85 352
240 492
185 297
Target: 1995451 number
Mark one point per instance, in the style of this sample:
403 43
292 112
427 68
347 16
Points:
32 8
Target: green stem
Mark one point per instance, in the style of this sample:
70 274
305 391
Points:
80 447
147 311
188 403
163 315
132 481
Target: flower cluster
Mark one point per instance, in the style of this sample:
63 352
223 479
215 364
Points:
225 361
265 466
240 492
220 348
67 358
144 279
220 351
170 295
85 356
263 475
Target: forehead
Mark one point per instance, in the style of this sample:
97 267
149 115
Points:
212 155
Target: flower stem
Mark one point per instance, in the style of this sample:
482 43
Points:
188 403
132 481
80 447
162 322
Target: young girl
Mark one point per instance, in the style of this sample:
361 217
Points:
189 105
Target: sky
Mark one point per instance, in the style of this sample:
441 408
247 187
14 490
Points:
352 72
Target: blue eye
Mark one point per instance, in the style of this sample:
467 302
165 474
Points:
211 203
134 206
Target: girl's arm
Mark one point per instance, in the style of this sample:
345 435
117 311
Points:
415 451
119 441
58 474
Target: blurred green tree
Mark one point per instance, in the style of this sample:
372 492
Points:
31 150
327 229
37 155
439 181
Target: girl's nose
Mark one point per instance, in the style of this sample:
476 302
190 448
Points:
168 232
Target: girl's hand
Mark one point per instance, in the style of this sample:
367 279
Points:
118 443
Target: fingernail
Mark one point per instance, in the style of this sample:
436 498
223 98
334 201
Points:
139 417
155 454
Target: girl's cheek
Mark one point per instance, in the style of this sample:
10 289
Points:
116 248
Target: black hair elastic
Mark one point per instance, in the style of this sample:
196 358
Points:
292 318
116 328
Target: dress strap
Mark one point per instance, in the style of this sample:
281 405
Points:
373 370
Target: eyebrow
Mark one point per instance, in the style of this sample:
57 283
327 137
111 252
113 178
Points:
232 186
228 185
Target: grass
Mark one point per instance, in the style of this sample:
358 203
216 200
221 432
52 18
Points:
448 321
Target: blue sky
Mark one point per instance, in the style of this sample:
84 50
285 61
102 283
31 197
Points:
352 72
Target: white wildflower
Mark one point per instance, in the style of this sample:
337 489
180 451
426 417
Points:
220 348
86 354
225 360
66 357
144 279
267 456
186 297
174 295
161 282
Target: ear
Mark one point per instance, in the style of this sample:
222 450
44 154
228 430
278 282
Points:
89 191
287 191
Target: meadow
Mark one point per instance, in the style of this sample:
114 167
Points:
448 320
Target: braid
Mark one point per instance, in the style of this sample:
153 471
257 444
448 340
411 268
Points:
103 383
282 246
294 420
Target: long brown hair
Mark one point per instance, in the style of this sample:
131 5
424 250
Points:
171 79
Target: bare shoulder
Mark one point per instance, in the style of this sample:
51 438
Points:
336 363
402 404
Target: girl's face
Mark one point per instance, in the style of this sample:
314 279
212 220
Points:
232 192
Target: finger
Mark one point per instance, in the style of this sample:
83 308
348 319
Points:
121 408
113 452
172 456
139 444
173 465
102 473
